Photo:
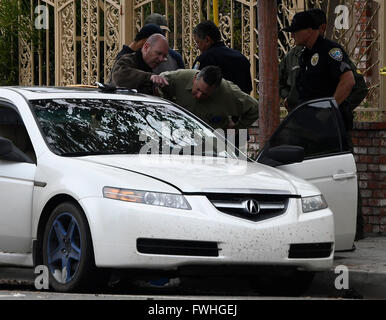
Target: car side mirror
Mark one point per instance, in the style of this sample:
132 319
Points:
9 152
284 154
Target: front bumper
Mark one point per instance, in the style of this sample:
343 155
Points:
116 227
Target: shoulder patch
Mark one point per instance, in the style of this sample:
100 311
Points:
336 54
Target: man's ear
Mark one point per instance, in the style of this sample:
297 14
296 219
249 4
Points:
145 47
142 42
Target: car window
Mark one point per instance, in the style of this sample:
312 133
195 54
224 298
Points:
90 126
312 127
13 128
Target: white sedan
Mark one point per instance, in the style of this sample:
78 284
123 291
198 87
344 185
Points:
92 180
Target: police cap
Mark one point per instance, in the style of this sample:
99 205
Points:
302 20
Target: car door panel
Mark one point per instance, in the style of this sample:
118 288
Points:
338 192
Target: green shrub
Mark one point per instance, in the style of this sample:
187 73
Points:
15 22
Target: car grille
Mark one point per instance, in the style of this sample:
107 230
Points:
254 207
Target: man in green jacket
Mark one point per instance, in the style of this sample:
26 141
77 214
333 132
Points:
288 72
210 97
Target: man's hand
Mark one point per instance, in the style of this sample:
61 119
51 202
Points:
159 80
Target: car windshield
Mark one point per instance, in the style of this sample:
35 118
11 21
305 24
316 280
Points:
81 127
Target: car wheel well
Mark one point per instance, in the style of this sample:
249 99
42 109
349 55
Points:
50 205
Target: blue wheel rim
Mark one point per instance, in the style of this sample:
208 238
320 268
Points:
64 248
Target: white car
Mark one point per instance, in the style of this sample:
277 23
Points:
86 185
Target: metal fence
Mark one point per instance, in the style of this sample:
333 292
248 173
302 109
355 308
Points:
80 38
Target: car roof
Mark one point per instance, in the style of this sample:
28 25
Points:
38 93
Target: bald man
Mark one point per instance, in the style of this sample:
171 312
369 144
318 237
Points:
134 70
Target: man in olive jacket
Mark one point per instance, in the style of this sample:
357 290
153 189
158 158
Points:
288 72
210 97
134 70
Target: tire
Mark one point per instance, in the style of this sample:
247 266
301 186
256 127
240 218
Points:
67 249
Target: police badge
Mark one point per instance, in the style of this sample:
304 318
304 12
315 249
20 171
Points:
315 59
336 54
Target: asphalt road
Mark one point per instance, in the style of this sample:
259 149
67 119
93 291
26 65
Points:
18 284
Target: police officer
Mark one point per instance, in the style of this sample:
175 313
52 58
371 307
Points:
324 67
359 91
234 66
289 70
325 70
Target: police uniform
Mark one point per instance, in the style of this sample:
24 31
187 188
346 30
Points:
320 69
234 66
289 70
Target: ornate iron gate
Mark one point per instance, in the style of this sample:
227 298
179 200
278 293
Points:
84 36
77 43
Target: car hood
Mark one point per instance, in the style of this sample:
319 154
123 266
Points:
194 174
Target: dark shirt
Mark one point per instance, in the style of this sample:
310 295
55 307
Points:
178 58
234 66
125 50
320 69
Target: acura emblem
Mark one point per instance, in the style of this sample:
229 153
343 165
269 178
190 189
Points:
252 207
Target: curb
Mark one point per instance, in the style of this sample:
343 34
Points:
17 276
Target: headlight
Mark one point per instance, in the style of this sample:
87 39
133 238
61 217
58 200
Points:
169 200
314 203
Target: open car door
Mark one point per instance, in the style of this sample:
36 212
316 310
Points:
311 144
